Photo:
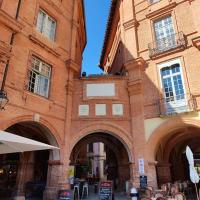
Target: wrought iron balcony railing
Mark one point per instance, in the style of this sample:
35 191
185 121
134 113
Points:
177 104
173 41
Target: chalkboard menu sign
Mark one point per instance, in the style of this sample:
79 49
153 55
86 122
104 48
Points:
64 195
105 190
143 181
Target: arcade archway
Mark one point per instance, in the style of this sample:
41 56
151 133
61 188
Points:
101 156
27 172
172 163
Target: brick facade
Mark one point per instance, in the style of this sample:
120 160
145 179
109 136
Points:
132 115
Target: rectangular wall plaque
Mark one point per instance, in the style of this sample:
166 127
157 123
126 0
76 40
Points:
100 90
100 109
83 110
117 109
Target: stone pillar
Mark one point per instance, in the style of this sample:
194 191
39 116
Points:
152 176
25 174
135 69
129 26
163 173
53 176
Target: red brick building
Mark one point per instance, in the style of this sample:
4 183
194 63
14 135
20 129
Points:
145 108
41 45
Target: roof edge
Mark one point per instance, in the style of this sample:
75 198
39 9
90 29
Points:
84 16
108 30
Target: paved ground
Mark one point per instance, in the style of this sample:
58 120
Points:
118 196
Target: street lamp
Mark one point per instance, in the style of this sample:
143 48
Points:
3 99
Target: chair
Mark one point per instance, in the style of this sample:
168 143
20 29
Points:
180 196
151 189
157 195
85 190
76 190
161 198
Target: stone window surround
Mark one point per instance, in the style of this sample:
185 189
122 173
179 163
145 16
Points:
165 64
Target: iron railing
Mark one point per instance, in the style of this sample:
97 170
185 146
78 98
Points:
173 41
177 104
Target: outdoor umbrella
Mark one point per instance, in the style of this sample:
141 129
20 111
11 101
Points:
11 143
194 177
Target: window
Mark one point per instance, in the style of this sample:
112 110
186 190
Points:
164 34
175 100
39 77
46 25
172 83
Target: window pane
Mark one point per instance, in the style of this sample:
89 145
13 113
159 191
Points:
46 25
40 21
52 32
163 28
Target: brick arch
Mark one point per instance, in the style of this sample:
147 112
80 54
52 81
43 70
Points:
54 138
81 142
109 128
168 128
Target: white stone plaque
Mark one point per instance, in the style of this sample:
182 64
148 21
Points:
117 109
100 90
141 166
100 109
83 110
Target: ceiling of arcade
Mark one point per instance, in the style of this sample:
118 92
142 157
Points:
31 130
178 140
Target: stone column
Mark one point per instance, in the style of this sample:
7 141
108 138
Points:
135 69
65 150
152 176
25 174
53 176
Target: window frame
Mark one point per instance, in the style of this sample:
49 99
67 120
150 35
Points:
177 103
47 15
168 63
30 68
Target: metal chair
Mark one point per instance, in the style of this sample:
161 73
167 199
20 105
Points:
76 190
85 190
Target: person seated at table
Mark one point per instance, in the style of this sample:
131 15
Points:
174 190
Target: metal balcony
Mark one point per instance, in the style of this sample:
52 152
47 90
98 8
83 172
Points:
177 104
163 45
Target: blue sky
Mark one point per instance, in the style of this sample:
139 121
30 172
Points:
96 12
